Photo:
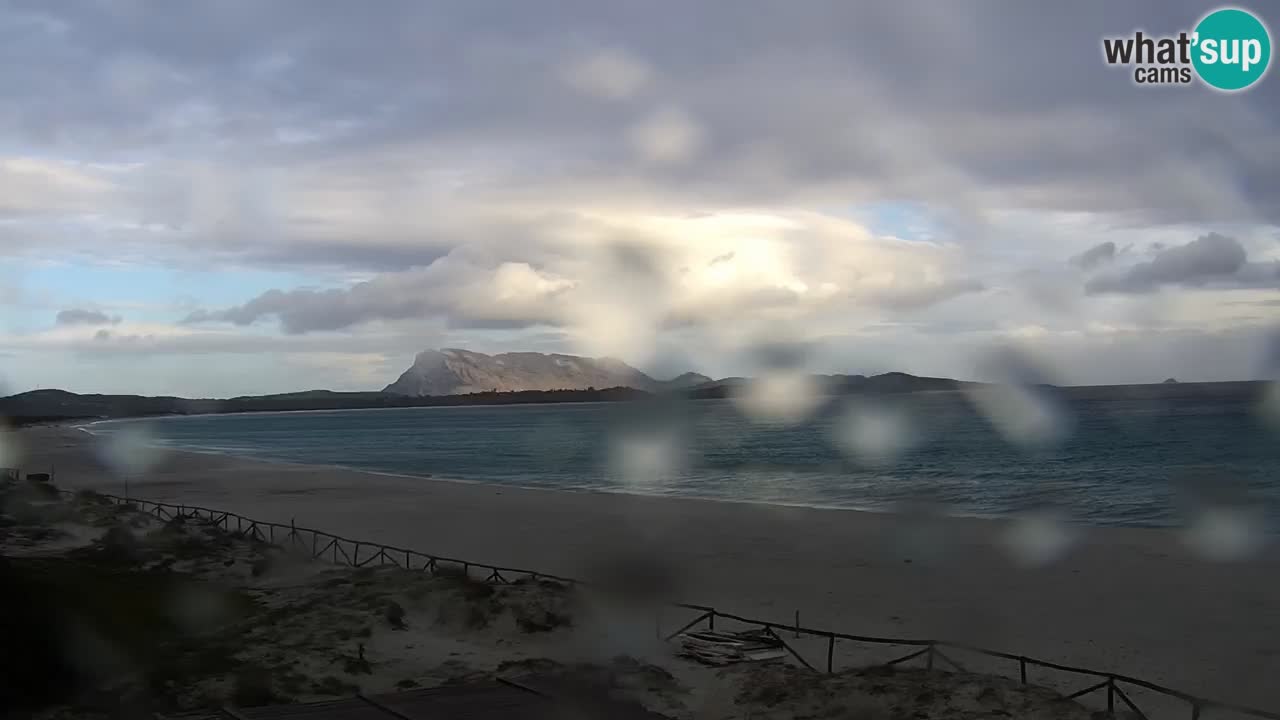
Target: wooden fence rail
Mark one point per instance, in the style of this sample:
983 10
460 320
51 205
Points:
323 545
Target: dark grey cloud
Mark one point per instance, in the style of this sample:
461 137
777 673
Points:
301 311
1212 259
464 289
903 101
77 316
1099 254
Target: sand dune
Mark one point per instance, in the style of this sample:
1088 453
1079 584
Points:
141 615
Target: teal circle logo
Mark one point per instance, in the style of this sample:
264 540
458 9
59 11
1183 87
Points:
1231 49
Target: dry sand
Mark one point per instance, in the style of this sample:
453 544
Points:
1123 600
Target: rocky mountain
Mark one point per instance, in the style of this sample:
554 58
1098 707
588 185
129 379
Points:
453 371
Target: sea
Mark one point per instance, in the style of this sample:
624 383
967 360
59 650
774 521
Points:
1150 461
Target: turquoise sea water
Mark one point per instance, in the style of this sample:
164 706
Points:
1120 461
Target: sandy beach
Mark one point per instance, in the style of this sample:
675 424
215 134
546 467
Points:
1131 601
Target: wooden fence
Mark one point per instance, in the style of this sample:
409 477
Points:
322 545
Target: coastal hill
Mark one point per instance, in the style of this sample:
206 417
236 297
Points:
453 371
41 406
460 377
891 382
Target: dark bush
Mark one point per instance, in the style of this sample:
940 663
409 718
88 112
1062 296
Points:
253 688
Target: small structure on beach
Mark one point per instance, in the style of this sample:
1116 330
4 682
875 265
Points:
720 648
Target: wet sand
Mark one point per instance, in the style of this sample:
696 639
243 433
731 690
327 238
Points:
1130 601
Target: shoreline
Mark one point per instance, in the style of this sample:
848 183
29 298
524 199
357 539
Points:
536 488
233 413
1125 600
1065 519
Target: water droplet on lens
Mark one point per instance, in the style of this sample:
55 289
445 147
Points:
1038 539
874 434
1223 522
646 458
1021 415
1021 404
788 397
10 450
130 451
1269 407
197 609
1225 534
921 534
648 445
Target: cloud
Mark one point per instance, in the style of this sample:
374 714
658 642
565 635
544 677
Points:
609 74
510 294
667 136
76 316
37 188
473 171
629 276
184 340
1212 259
310 310
1099 254
928 295
788 109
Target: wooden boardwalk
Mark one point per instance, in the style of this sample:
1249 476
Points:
523 698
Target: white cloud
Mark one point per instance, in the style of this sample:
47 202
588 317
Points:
40 187
667 136
714 270
609 74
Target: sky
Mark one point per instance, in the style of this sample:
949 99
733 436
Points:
219 199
